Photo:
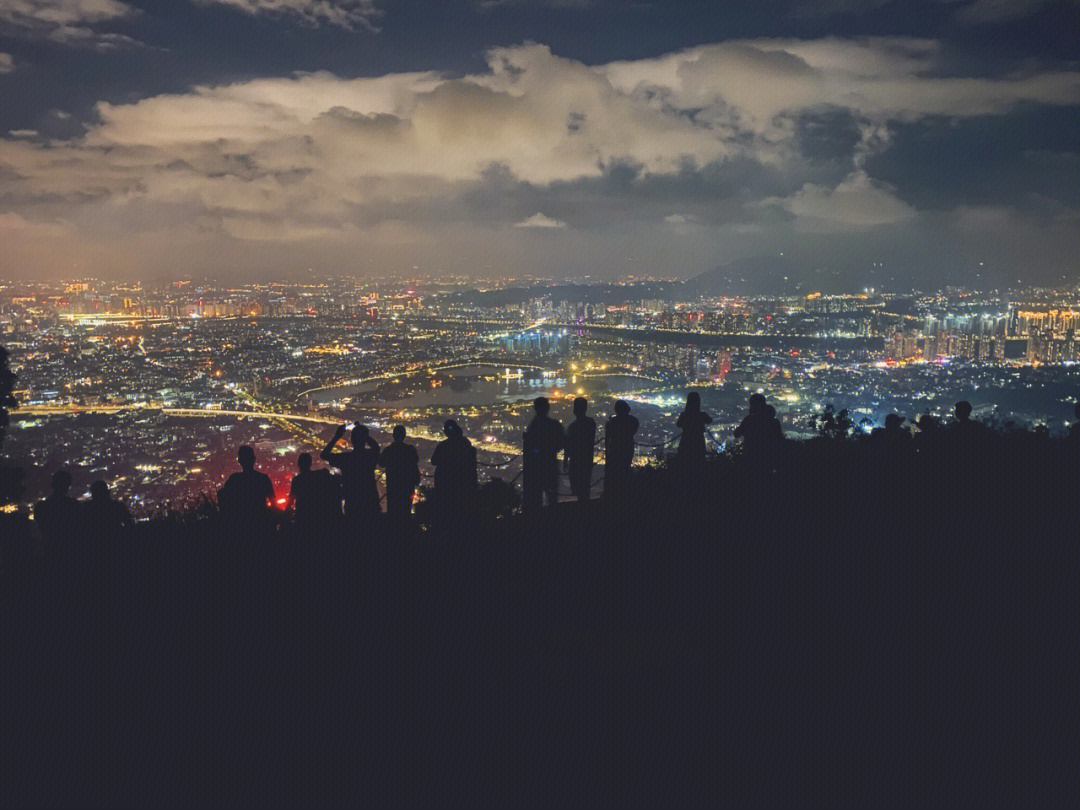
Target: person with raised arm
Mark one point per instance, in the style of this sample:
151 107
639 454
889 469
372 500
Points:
357 466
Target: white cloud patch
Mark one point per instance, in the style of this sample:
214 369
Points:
347 14
70 22
855 204
539 220
7 63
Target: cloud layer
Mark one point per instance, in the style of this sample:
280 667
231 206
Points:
741 137
69 22
347 14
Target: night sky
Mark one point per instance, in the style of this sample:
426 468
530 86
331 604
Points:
934 141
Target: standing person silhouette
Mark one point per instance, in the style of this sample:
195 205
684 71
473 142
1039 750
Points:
57 516
619 432
246 497
692 421
402 465
578 455
542 441
454 460
759 430
357 472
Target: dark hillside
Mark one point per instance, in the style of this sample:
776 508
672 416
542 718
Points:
847 624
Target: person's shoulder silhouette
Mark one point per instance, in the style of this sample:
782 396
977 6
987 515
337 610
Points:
106 516
400 460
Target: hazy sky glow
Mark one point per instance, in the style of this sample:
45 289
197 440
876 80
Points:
263 137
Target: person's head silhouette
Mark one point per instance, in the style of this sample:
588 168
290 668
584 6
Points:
693 401
893 421
963 410
99 491
359 436
757 403
542 406
245 457
61 482
622 407
399 433
451 428
303 461
581 407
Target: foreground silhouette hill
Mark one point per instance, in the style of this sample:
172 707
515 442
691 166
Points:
872 623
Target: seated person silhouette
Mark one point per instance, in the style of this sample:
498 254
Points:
619 433
248 494
402 465
313 495
57 515
578 455
357 472
893 435
106 518
454 460
542 441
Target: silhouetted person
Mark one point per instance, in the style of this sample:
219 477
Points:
1074 428
929 427
759 430
893 436
965 428
57 516
106 517
247 495
454 460
578 455
402 465
357 466
315 495
619 433
692 422
543 439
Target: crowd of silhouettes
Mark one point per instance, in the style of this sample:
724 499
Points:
316 497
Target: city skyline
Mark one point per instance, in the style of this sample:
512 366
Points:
911 142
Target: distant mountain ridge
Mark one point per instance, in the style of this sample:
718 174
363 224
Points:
781 275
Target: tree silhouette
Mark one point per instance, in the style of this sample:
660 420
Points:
7 398
11 479
832 425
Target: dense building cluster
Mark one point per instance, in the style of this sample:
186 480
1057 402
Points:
152 387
